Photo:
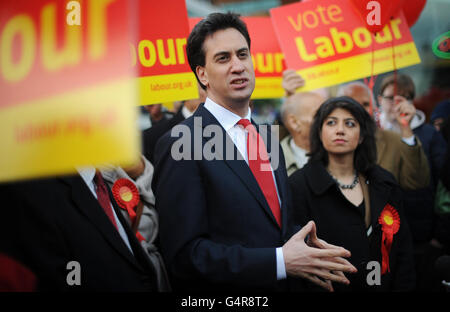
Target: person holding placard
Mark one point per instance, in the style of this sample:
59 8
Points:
398 113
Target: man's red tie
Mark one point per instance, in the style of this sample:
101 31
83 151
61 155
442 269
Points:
103 197
258 161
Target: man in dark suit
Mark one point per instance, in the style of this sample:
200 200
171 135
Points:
58 229
226 226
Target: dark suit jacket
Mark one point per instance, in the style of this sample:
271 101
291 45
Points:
47 223
154 133
419 203
317 197
217 231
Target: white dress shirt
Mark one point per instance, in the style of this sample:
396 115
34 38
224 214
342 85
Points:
299 154
186 113
228 120
88 174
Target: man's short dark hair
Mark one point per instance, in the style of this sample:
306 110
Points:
405 85
366 153
206 27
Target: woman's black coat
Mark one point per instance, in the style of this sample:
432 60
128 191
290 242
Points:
317 197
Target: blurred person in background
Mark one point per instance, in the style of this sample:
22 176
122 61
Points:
157 113
52 222
153 134
442 199
144 222
297 113
396 95
440 113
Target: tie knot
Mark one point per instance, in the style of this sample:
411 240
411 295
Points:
98 179
244 122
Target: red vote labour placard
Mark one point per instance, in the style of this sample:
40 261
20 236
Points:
327 42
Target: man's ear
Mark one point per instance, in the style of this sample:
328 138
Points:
292 123
202 75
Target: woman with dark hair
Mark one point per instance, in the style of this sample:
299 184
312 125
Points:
354 202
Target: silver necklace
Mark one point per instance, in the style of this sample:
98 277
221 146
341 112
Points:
346 186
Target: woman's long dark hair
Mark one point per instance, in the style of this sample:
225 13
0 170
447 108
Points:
366 153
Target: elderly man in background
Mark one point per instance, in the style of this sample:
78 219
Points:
297 113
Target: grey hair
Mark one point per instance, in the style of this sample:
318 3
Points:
342 88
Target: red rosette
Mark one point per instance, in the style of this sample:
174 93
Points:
126 195
390 224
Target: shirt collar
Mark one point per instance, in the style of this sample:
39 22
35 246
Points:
298 151
186 113
226 118
87 173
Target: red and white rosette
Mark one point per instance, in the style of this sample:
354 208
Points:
390 224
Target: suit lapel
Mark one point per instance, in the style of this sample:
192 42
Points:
140 258
89 206
237 164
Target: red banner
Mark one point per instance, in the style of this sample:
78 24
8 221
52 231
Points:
163 33
160 52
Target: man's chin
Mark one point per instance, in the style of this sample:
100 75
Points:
243 95
241 99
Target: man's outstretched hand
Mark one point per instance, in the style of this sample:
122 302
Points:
316 260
